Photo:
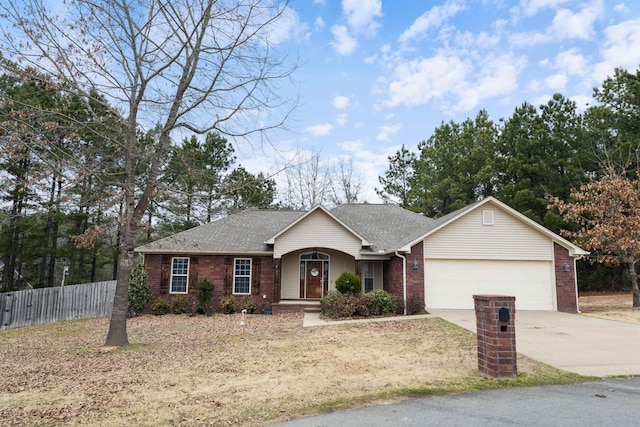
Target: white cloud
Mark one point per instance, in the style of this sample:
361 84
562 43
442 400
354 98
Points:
532 7
418 81
619 49
319 24
289 27
341 119
456 83
340 102
572 63
385 132
569 25
351 146
361 15
322 129
433 18
621 7
343 43
556 82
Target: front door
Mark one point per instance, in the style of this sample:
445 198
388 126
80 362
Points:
314 279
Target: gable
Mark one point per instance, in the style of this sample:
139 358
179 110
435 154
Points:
317 230
488 232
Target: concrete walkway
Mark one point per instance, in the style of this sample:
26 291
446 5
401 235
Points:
572 342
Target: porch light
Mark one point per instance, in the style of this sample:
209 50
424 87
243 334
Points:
566 267
415 264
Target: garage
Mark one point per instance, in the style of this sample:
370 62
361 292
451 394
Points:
451 283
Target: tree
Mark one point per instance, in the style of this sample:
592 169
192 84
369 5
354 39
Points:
197 65
616 121
396 183
243 190
347 183
308 182
456 166
607 214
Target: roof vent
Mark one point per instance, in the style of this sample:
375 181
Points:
487 217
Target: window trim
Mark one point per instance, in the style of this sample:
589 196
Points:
171 291
235 263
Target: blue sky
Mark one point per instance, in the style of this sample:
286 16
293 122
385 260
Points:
377 74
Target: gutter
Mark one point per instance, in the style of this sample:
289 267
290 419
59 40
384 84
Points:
404 280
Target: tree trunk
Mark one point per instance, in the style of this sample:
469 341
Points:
634 283
117 335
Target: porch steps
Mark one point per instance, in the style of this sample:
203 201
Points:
296 306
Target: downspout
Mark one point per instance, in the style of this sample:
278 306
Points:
404 281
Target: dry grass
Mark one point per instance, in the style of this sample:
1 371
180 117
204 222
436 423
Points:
618 306
183 370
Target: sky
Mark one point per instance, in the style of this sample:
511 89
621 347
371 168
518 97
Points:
377 74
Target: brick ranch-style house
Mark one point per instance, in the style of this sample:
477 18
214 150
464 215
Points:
281 258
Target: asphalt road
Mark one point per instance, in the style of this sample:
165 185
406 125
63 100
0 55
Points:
609 402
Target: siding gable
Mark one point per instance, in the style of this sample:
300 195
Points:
317 230
507 238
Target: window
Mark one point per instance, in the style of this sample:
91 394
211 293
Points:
179 275
368 276
242 276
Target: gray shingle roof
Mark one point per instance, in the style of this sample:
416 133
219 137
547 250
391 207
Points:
386 227
244 232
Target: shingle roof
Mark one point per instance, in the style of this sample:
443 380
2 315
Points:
387 227
244 232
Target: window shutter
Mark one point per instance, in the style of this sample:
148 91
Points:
255 276
165 273
228 275
193 273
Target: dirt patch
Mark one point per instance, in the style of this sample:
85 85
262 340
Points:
183 370
618 306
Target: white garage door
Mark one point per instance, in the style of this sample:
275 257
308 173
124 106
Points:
452 283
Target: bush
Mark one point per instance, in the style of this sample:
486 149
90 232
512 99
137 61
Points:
415 305
348 283
179 304
205 294
228 304
380 302
160 306
139 291
248 303
337 305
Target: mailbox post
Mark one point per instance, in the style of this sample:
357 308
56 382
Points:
495 322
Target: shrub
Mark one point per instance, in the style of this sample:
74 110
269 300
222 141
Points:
415 305
139 290
336 305
179 304
160 306
205 294
380 302
248 303
348 283
228 304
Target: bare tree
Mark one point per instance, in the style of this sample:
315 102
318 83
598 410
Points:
308 181
347 183
191 65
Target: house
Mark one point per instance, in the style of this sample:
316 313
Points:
282 257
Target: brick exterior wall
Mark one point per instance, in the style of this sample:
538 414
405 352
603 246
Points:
392 276
219 270
497 357
565 280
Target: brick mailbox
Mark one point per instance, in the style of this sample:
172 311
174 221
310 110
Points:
495 321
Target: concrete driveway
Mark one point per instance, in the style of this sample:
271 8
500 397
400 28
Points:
572 342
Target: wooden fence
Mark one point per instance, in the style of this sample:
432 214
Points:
47 305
